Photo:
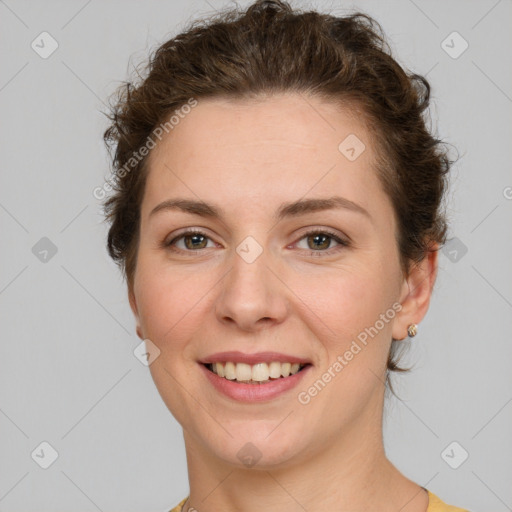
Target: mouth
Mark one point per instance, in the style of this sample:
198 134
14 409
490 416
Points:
255 374
254 378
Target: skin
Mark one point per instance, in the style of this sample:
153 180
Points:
247 158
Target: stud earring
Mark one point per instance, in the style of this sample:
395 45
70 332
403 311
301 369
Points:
412 330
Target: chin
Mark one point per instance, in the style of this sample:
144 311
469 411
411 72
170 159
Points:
259 447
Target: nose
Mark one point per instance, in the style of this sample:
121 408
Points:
252 296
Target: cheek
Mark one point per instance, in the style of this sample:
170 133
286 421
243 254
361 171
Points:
171 303
355 340
344 301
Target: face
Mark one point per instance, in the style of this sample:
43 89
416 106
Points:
322 287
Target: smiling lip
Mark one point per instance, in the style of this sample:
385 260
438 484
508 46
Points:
244 392
260 357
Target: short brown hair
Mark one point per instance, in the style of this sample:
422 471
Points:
272 48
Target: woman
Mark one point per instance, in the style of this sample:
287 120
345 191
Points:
277 217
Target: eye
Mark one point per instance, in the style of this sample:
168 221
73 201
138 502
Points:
194 241
319 242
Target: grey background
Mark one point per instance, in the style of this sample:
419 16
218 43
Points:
68 375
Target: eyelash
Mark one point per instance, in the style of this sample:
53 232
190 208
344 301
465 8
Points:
342 243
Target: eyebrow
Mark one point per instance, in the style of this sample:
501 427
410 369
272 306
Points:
286 210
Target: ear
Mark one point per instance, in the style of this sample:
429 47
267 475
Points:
416 292
135 310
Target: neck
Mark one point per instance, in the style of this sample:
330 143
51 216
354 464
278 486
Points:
348 472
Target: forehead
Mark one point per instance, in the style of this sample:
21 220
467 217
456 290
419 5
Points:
284 146
290 119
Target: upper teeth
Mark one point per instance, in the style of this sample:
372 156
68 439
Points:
259 372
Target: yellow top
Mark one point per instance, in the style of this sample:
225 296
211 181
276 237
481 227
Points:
434 505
